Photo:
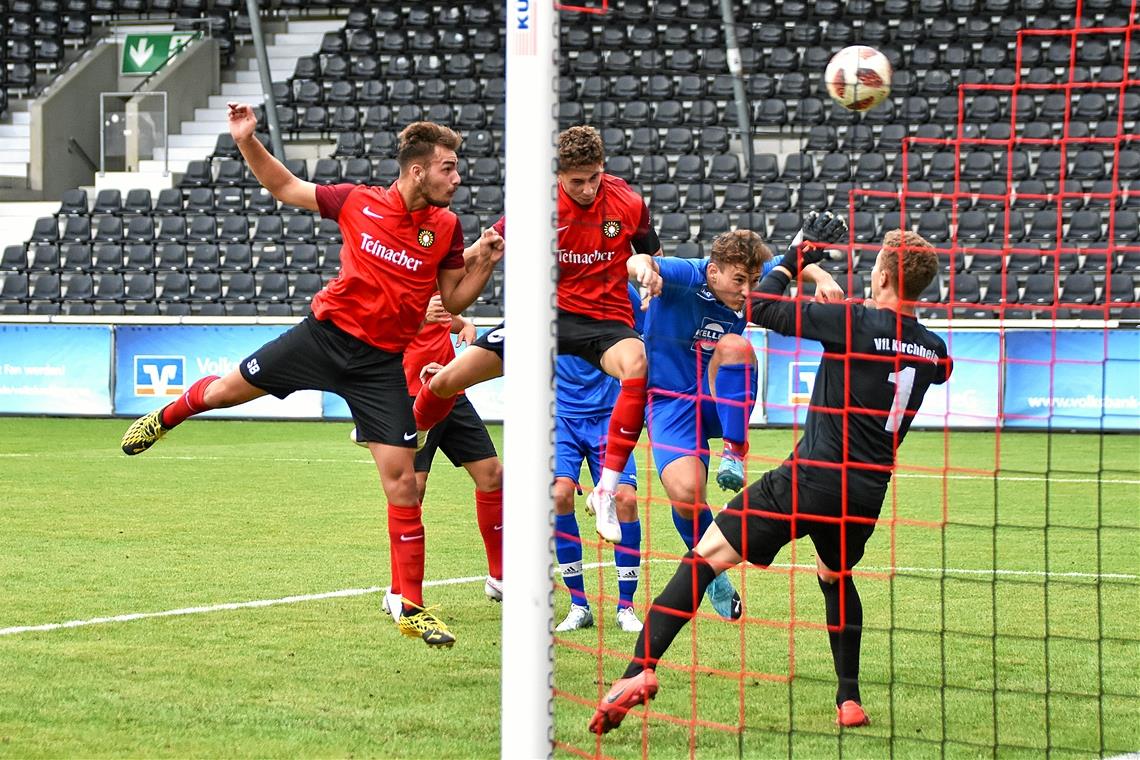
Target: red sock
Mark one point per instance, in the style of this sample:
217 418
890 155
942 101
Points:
626 422
189 403
406 532
489 513
430 409
394 587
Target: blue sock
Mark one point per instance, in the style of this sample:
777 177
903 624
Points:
735 383
568 549
685 526
627 561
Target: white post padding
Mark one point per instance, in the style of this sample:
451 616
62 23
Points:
527 724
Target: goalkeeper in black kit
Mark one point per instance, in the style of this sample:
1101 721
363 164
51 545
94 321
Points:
877 365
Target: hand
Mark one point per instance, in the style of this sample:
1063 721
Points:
428 371
824 228
811 243
491 246
241 120
828 291
648 280
435 311
466 335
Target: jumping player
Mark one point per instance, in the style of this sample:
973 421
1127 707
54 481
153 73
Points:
703 377
584 398
877 366
601 223
401 245
462 437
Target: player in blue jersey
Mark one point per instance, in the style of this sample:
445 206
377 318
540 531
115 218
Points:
584 399
703 377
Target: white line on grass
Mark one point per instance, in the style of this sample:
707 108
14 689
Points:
479 578
317 460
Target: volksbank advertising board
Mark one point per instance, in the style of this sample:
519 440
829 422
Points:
1035 379
154 365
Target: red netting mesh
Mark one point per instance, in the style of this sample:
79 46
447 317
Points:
1000 588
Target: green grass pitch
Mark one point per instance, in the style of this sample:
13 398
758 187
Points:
1038 657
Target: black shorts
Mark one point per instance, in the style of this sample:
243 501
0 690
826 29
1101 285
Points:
757 523
579 336
462 437
318 355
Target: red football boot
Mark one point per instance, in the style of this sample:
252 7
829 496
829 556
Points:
625 694
850 715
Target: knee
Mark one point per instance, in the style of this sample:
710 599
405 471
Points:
402 488
626 502
489 477
443 384
563 497
734 349
687 508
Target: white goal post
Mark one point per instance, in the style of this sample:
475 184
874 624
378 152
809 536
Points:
527 726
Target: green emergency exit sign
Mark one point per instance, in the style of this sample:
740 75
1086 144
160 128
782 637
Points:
145 53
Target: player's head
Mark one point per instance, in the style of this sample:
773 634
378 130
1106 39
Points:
735 262
904 267
427 157
580 163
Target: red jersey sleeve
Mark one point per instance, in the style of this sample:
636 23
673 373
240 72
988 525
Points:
331 197
501 227
454 257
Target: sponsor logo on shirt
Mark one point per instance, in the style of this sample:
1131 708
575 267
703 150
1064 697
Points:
374 247
611 228
426 238
590 257
708 334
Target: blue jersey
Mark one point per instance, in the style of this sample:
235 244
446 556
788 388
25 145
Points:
686 319
582 390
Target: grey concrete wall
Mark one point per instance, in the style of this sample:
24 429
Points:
70 109
189 80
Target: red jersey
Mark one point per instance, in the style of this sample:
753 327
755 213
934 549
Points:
431 344
594 245
388 262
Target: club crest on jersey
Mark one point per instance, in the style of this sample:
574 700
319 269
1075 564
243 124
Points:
611 228
426 238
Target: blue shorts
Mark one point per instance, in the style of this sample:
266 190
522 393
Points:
578 438
681 427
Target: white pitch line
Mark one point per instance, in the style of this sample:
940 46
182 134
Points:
351 460
349 592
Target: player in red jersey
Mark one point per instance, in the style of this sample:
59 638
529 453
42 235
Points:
462 437
601 224
401 245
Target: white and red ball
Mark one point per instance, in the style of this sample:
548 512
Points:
858 77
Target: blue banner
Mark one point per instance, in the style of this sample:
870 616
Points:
155 365
968 400
55 369
1081 379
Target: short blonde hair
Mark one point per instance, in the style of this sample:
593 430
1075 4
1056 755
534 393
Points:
740 247
919 262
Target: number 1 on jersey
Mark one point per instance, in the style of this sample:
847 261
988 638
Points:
903 381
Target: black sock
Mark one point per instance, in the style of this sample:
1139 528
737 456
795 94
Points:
844 642
681 599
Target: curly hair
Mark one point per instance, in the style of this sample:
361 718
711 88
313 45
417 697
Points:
419 139
740 247
580 148
919 262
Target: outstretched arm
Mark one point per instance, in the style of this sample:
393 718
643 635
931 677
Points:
281 183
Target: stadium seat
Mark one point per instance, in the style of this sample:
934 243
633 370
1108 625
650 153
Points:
699 198
674 227
664 197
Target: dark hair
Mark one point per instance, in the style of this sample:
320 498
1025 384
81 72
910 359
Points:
580 148
740 247
419 139
919 262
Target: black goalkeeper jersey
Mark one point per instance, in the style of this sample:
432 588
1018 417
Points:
876 368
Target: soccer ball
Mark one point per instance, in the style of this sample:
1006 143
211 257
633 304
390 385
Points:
858 77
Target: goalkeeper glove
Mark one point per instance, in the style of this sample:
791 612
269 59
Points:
810 244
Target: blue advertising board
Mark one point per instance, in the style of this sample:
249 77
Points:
55 369
155 364
969 400
1079 379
